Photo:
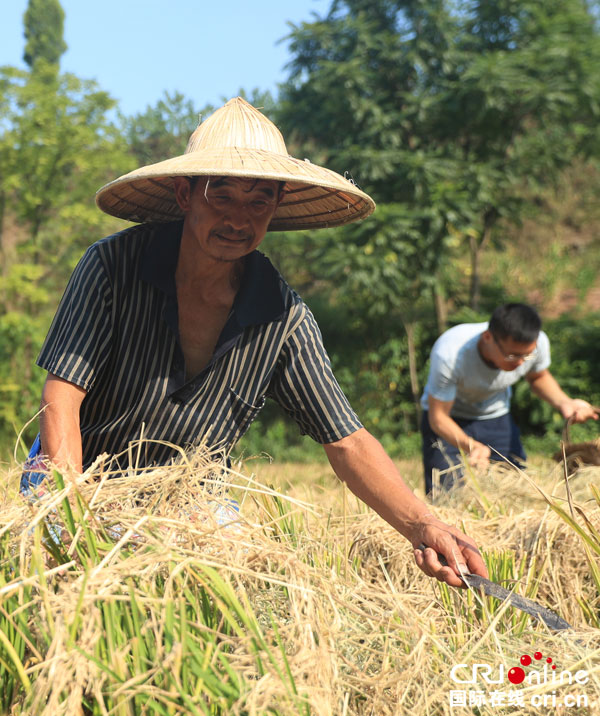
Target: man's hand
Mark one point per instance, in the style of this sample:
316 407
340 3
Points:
444 425
460 552
361 462
545 386
479 454
577 410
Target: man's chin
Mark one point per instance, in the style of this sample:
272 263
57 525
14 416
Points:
230 254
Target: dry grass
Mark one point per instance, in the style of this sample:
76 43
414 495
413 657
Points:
309 603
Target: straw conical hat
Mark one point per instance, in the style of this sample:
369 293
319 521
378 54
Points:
237 140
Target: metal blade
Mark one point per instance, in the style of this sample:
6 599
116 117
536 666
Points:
550 619
537 611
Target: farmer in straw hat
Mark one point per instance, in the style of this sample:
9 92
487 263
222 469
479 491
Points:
177 329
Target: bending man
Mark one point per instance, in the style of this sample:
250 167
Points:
466 401
178 329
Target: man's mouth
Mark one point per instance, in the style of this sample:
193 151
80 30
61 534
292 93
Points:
230 239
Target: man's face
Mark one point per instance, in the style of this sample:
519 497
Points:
508 354
228 217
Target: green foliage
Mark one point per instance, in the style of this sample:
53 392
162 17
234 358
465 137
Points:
444 112
385 265
162 131
56 148
447 108
44 21
457 117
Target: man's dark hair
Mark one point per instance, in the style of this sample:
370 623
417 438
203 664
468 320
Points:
518 321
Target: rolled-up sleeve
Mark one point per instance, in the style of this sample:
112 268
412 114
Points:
78 342
305 387
441 383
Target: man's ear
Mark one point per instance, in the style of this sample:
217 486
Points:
487 336
183 192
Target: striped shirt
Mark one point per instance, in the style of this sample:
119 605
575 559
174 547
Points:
115 334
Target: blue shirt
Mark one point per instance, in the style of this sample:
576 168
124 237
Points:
458 373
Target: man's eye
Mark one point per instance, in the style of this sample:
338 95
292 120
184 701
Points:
218 199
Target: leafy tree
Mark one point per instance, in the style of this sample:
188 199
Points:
56 148
353 97
522 106
44 21
444 112
465 101
161 131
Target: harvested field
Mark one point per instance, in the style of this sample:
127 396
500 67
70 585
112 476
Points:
126 596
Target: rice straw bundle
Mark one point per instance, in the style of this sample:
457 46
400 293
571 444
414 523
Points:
150 604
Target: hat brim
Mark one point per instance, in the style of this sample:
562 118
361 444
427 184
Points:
314 197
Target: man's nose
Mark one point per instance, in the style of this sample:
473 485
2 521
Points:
237 216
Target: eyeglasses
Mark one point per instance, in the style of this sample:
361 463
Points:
514 357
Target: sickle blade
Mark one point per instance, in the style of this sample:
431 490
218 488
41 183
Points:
547 616
537 611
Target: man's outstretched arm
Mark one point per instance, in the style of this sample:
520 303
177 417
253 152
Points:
546 387
59 422
362 463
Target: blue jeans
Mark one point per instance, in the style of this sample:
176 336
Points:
501 434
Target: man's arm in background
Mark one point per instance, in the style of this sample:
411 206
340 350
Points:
546 387
447 428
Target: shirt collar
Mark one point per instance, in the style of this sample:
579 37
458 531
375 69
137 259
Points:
160 257
259 299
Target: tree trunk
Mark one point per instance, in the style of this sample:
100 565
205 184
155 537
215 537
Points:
475 249
475 287
441 309
412 367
